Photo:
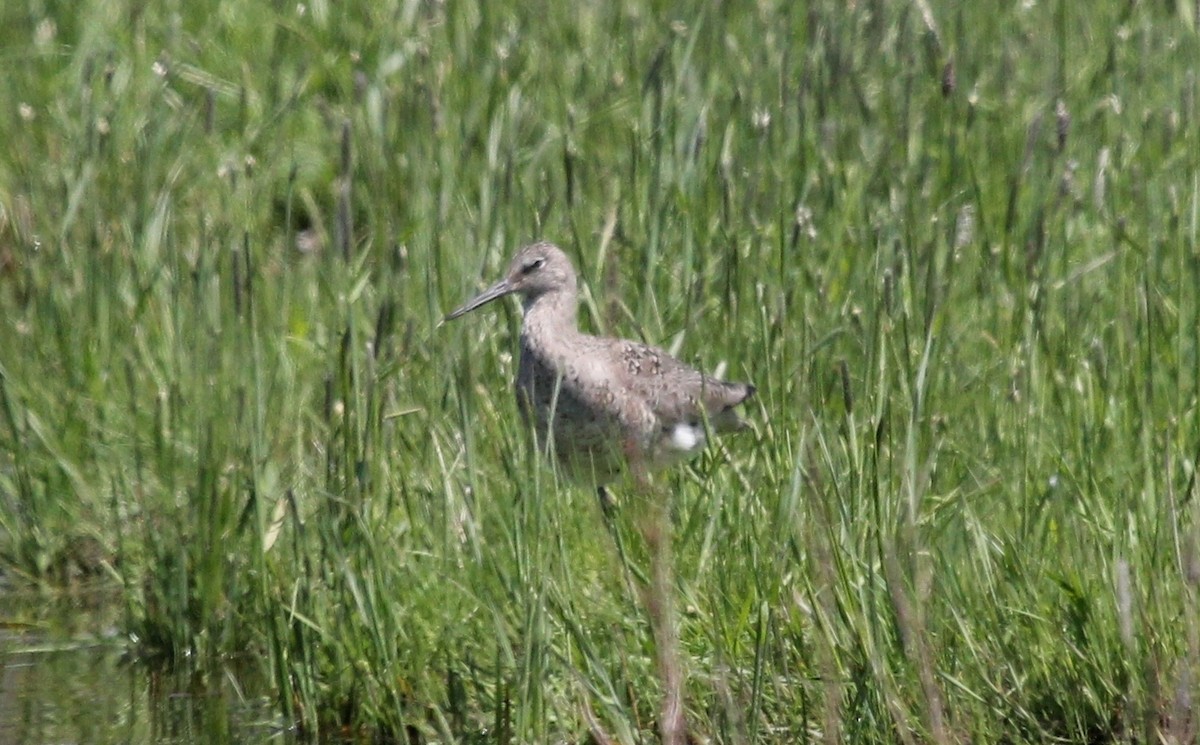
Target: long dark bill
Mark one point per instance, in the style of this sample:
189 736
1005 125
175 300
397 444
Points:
498 290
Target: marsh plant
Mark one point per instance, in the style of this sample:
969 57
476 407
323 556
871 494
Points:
954 245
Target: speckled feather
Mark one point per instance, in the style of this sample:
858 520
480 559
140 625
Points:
598 403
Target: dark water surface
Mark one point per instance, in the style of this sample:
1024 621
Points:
66 676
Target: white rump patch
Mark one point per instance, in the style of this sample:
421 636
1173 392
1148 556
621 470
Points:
687 438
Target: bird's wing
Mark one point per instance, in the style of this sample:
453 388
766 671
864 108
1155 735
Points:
676 392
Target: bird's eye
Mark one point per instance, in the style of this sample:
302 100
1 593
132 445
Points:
533 266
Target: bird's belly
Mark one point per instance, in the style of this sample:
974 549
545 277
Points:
587 441
587 432
594 448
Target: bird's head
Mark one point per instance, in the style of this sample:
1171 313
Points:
533 272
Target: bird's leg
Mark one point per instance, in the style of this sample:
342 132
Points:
607 505
660 605
659 598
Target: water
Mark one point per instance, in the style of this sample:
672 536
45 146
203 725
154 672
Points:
66 677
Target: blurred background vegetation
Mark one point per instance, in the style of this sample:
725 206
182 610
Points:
953 244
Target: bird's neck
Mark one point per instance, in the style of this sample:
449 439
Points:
551 315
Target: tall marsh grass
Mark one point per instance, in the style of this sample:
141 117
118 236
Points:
954 246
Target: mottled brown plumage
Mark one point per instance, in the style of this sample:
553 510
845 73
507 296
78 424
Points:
601 404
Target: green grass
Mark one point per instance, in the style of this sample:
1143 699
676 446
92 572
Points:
955 247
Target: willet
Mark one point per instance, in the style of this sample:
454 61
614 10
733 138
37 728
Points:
602 406
605 407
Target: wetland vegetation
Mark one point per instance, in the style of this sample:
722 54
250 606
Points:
953 244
